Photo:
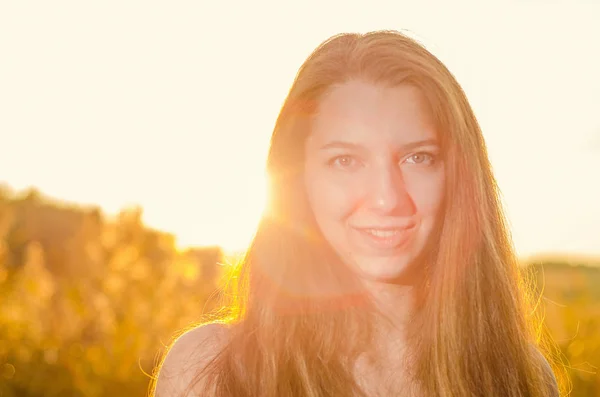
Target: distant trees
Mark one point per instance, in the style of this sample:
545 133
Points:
571 309
87 304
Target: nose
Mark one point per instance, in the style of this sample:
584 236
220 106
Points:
389 194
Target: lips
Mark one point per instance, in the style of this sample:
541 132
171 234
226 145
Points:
385 239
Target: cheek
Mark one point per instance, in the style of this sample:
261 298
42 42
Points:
330 199
427 193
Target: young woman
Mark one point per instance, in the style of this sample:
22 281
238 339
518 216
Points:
383 265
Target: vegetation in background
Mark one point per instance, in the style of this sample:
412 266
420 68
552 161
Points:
88 304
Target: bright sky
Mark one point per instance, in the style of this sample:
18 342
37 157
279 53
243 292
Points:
171 104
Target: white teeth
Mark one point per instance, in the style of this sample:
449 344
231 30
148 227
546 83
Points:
383 233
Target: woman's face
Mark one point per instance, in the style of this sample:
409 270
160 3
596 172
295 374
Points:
374 176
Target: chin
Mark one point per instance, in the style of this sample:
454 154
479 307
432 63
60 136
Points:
394 270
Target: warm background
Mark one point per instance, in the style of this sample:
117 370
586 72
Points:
89 303
112 106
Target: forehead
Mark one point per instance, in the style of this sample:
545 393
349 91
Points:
371 114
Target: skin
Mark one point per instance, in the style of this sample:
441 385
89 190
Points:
373 162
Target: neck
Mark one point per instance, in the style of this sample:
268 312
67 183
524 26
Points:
394 302
394 305
386 362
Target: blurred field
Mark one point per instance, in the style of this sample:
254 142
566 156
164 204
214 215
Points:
88 303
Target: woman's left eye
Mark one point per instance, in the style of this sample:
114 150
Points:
420 158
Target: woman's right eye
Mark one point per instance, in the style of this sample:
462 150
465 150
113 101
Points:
344 162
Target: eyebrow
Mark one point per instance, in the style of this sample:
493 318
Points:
407 146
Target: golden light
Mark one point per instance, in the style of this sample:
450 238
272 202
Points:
229 220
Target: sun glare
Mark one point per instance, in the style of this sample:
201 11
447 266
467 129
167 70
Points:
229 222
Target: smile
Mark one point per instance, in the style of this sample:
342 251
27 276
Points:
383 232
385 238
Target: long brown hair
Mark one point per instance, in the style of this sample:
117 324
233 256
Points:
290 338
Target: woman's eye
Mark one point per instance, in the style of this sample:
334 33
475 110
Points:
345 162
420 158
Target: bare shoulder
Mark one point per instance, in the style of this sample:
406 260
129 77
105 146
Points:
553 390
188 355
